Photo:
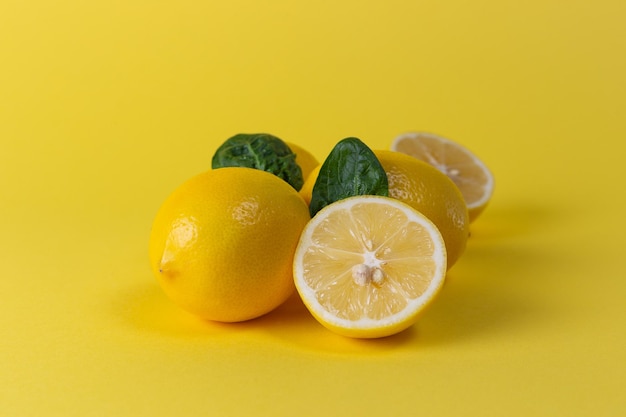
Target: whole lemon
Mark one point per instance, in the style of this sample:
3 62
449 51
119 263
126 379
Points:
427 190
309 182
222 244
304 159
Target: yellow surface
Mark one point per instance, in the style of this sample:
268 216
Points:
106 106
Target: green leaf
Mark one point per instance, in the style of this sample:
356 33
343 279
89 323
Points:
350 169
260 151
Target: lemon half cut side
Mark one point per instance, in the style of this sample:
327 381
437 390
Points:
367 266
464 168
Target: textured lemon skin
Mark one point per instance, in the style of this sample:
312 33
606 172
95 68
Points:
427 190
222 243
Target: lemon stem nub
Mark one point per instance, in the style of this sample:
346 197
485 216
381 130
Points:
363 275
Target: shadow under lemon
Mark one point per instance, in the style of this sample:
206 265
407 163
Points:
146 308
515 219
493 288
483 295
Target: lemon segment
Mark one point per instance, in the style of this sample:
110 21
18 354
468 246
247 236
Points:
366 266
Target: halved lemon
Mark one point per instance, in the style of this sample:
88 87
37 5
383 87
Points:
366 266
469 173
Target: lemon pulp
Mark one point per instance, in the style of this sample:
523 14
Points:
366 266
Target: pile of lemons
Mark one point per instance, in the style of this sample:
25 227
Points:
234 242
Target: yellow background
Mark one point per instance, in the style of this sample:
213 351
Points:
106 106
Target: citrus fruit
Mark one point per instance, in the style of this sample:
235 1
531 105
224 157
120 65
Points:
425 189
222 243
462 166
366 266
309 182
304 158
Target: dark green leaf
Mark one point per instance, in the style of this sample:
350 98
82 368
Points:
260 151
350 169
